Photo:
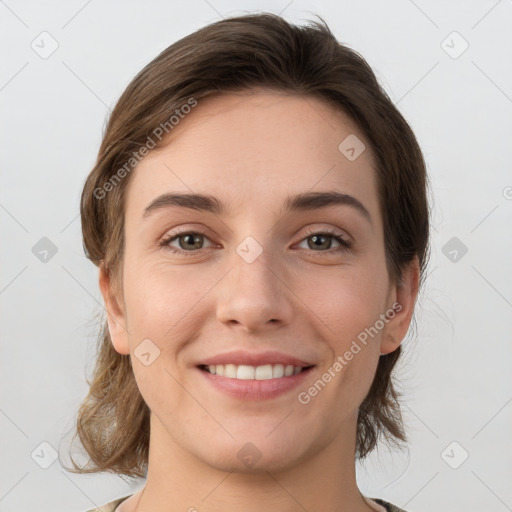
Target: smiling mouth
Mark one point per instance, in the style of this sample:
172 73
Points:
246 372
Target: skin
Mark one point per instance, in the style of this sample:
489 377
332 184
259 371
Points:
252 150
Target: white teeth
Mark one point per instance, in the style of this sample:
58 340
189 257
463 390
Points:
277 371
263 372
246 372
230 371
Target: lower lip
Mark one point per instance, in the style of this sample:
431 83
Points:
252 389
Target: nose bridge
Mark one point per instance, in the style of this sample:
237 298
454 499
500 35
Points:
252 294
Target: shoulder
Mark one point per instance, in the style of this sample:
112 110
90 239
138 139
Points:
111 506
388 506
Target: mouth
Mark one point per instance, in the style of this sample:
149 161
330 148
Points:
247 372
255 383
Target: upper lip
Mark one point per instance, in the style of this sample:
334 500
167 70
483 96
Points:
240 357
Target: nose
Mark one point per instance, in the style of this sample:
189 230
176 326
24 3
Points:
254 296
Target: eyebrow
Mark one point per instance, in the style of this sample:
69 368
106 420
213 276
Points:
306 201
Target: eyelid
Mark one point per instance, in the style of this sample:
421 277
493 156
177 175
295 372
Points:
331 230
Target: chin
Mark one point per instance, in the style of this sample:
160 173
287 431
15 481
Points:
249 461
251 452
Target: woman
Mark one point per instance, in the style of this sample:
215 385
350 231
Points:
259 218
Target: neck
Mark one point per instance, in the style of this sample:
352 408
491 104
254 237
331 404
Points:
177 480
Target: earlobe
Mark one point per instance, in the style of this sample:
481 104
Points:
405 294
116 319
391 344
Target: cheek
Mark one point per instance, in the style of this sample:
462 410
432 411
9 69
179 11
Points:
349 304
347 301
163 301
164 306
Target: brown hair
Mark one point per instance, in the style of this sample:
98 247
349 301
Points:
237 54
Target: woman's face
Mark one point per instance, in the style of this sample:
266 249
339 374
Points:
222 304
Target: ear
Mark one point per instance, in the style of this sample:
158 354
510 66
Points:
402 300
116 317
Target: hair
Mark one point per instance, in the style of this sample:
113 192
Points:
241 54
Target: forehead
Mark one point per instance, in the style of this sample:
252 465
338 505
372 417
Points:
251 148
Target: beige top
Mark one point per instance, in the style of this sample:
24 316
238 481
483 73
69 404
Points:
377 504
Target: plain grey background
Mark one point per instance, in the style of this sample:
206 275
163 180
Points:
447 66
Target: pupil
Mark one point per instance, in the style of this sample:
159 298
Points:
191 239
319 238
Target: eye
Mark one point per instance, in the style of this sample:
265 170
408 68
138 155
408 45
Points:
319 240
189 242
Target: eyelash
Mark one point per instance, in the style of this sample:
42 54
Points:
345 245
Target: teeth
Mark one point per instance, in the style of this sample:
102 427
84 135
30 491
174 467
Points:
277 371
230 371
245 372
